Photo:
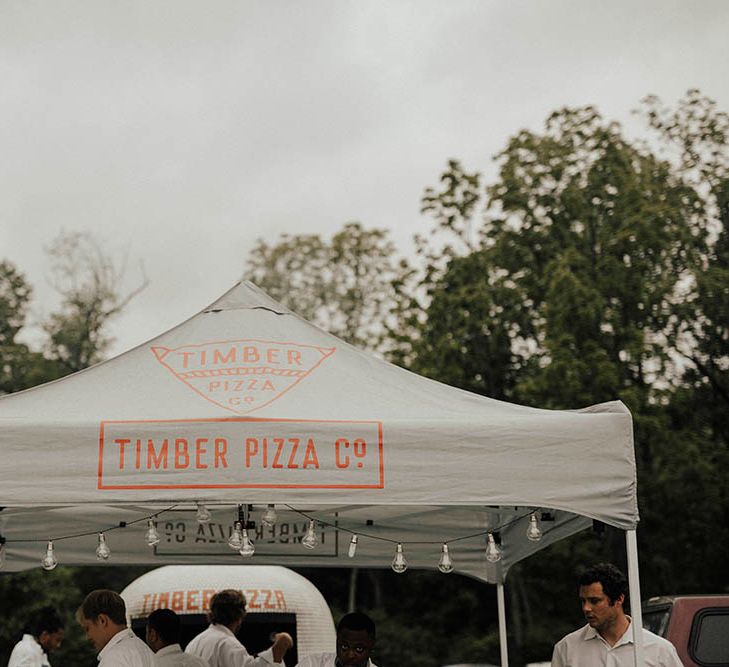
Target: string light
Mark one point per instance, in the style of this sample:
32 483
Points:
399 564
534 532
493 553
352 546
235 541
310 539
49 561
151 536
247 548
203 514
269 516
240 540
102 550
446 564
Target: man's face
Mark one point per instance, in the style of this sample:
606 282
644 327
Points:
353 648
50 641
599 612
97 631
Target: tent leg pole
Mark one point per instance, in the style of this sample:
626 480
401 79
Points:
631 544
502 625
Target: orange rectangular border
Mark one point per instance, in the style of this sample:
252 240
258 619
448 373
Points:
109 487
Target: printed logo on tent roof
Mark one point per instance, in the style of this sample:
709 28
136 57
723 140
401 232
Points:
242 375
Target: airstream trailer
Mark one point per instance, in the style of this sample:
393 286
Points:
279 600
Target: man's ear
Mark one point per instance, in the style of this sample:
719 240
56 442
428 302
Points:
103 620
620 600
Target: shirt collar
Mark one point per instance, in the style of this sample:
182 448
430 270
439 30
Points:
119 636
170 649
223 628
626 638
30 639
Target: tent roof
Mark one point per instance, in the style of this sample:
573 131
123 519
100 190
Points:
248 403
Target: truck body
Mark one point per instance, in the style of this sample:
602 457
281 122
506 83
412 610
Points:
697 625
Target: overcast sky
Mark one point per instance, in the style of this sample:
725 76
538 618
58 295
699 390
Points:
179 132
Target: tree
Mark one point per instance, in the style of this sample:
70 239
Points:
343 286
88 281
595 261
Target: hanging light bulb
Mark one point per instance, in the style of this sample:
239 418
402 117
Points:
247 549
352 546
493 553
235 541
203 514
399 564
534 532
151 536
310 539
446 564
49 561
269 516
102 549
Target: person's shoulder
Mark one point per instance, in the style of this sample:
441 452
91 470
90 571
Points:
575 635
652 639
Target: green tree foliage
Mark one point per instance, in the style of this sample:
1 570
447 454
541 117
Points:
599 272
19 366
344 285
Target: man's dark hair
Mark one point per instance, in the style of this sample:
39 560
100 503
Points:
357 621
106 602
227 606
614 583
166 623
46 620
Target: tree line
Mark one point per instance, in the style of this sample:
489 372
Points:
593 267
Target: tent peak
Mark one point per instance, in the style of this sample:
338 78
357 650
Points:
244 294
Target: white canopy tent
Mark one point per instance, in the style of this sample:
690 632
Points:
247 403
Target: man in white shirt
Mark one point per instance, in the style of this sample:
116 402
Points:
163 637
102 615
46 634
355 641
607 639
219 645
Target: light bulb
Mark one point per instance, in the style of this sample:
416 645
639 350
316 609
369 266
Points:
534 532
203 514
2 554
446 564
247 549
269 516
493 553
352 547
49 561
102 550
151 536
399 564
235 541
310 539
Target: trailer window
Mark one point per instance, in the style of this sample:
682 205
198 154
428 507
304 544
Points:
709 646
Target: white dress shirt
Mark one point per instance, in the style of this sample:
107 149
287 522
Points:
125 649
221 648
28 653
586 647
324 660
172 656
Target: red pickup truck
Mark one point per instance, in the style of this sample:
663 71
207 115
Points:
697 625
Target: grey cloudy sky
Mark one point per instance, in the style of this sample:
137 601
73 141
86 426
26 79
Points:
181 131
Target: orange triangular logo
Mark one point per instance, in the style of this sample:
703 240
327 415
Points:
241 375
